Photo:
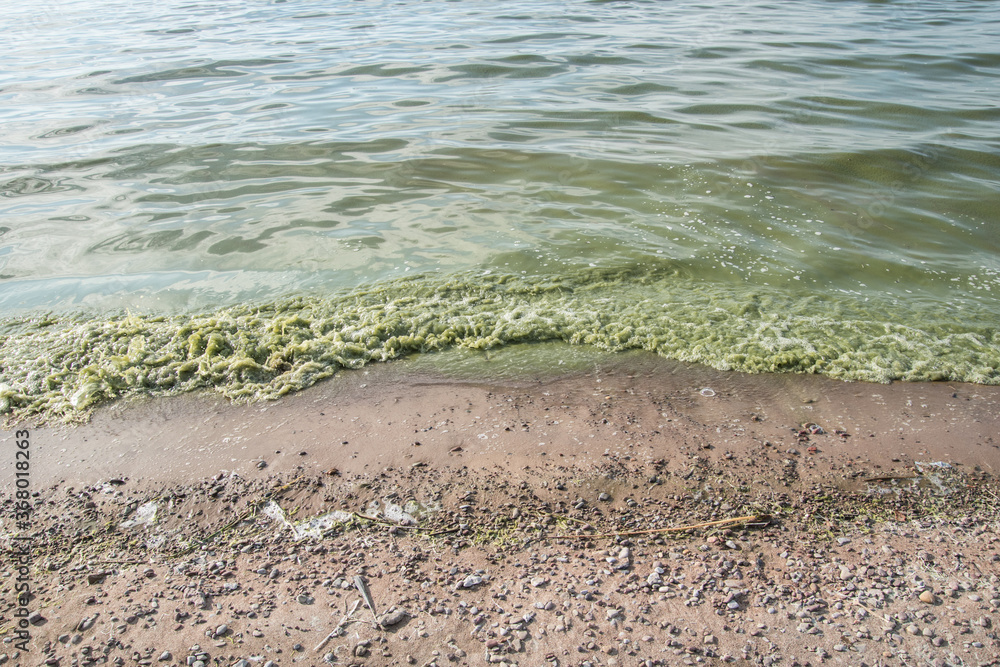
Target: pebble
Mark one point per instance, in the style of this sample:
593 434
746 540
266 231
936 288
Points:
165 656
394 618
927 596
472 581
221 630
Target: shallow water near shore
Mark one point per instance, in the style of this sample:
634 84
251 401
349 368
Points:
251 198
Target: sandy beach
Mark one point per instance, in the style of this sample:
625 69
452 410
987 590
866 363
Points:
644 513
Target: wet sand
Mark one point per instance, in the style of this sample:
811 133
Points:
513 523
648 409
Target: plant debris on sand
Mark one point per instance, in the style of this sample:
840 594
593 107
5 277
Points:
616 563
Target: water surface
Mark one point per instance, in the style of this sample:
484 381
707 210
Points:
765 186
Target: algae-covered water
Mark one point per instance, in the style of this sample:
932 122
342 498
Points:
253 196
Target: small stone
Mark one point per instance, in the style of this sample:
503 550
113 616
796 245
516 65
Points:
927 596
261 465
221 630
710 639
35 618
913 629
165 656
472 581
603 497
393 618
306 599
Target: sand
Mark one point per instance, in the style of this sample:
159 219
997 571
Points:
516 522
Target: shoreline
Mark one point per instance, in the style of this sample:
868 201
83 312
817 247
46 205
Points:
559 501
647 406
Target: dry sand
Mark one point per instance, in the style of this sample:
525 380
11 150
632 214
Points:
512 523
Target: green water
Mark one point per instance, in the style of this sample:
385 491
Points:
250 198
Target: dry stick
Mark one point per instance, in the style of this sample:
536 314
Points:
359 583
762 519
393 525
561 516
382 522
282 489
336 630
192 547
889 478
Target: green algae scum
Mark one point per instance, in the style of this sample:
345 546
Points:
249 198
64 366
